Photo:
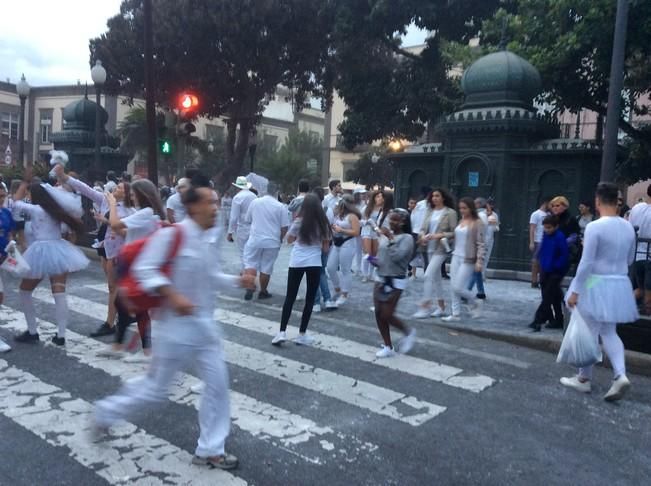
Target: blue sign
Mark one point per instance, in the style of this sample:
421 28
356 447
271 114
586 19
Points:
473 179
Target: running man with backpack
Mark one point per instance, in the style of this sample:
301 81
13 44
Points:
186 333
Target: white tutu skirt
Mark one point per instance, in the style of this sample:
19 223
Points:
607 298
48 258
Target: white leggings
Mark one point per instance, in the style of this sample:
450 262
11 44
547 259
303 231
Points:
341 257
433 285
612 345
460 275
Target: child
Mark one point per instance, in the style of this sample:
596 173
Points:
553 259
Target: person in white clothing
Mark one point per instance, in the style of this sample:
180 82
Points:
359 195
333 198
344 230
175 209
269 222
536 232
185 331
640 218
237 224
478 277
49 255
602 290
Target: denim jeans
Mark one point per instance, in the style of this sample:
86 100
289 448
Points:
323 290
477 278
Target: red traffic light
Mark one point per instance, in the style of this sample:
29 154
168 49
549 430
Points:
188 103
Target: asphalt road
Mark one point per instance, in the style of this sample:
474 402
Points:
458 410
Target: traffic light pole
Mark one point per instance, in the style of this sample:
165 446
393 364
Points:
150 102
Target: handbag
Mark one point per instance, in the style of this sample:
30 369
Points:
340 240
580 347
14 262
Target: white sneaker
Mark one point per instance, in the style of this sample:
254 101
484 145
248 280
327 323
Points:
137 358
111 353
303 339
330 305
618 389
407 343
364 279
316 308
198 388
281 337
421 313
477 308
451 318
574 382
438 312
385 352
4 347
341 301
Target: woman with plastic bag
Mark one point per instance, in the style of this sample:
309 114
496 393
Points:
602 291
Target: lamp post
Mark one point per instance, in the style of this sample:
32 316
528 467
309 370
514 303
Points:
98 74
22 88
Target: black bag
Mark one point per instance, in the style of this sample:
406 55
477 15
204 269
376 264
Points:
340 240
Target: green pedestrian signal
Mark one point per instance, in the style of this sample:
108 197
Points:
165 147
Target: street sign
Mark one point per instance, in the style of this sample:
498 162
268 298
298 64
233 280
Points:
473 179
8 158
165 147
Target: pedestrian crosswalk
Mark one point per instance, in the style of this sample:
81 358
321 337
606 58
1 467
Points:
62 419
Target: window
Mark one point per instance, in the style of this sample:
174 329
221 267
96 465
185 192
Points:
46 125
214 133
9 125
63 120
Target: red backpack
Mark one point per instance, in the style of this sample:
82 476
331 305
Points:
130 292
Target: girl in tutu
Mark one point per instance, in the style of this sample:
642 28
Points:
49 255
7 227
602 290
112 242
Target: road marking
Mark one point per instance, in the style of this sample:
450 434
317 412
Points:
359 393
431 342
282 428
128 455
430 370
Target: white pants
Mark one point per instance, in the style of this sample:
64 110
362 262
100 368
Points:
460 275
341 257
357 259
433 285
489 250
612 345
241 237
169 358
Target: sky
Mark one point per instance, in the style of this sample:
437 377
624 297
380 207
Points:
52 48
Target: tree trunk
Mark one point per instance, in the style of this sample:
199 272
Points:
236 149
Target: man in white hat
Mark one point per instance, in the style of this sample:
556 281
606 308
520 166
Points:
237 224
269 223
175 209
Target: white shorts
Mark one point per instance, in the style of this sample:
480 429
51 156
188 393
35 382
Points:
260 259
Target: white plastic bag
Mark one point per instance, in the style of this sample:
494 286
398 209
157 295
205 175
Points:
580 347
15 263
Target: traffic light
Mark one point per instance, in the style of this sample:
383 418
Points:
188 104
165 146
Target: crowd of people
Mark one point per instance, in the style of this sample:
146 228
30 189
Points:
335 238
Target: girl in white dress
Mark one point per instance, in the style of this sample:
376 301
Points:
49 255
602 290
340 260
112 241
368 234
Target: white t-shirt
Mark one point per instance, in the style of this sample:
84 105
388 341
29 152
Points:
174 203
303 255
460 237
418 215
537 218
641 216
491 229
433 225
267 217
141 224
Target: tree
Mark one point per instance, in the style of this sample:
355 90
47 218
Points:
392 92
570 42
232 54
371 173
289 164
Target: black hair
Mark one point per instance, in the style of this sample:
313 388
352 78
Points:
147 196
197 181
448 200
40 196
470 204
319 192
388 206
425 190
303 185
253 190
370 206
587 203
405 227
110 176
551 220
314 223
607 193
347 206
545 200
333 183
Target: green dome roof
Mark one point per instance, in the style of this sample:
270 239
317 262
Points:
80 115
500 79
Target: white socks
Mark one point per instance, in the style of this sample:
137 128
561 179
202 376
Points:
27 304
61 312
366 266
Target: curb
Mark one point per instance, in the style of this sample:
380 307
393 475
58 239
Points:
638 363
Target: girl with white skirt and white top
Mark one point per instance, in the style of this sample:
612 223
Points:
112 241
344 230
49 255
602 290
467 257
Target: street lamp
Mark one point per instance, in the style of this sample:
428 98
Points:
98 74
22 88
